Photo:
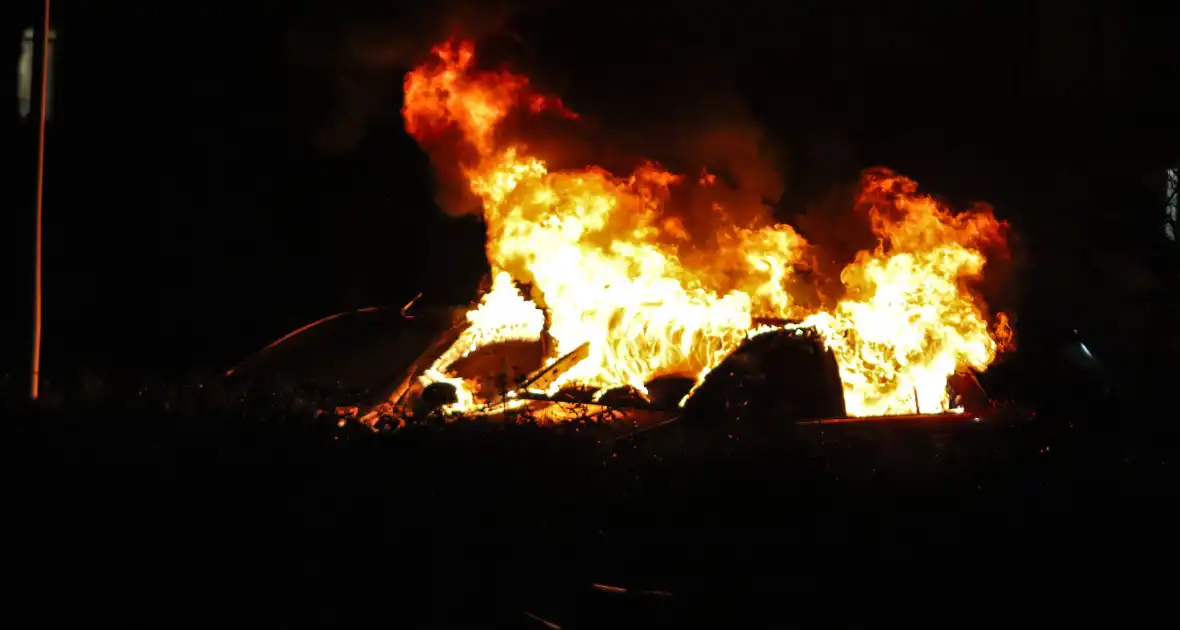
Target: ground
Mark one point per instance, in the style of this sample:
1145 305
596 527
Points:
251 513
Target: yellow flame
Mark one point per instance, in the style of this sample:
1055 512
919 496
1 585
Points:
602 258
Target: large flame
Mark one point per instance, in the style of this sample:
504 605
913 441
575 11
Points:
604 262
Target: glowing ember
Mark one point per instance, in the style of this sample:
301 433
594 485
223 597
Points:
603 259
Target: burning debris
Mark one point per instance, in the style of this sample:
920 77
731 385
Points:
599 287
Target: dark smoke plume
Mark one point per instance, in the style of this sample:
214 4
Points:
641 94
359 55
642 99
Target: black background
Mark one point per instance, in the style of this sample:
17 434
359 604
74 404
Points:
219 173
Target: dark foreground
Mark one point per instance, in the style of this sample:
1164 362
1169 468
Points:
253 515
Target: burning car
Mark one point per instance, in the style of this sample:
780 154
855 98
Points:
612 298
783 373
380 365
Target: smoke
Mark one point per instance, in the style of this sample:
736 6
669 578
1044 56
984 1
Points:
357 55
641 94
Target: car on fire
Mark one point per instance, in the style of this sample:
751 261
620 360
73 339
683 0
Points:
373 361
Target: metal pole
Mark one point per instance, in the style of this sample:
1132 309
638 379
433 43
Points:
35 386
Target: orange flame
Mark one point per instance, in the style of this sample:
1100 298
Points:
909 322
603 259
450 94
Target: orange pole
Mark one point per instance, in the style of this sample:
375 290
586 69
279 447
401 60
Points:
35 386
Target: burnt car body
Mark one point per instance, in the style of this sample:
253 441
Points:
780 395
369 363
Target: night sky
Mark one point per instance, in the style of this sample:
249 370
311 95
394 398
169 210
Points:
221 172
